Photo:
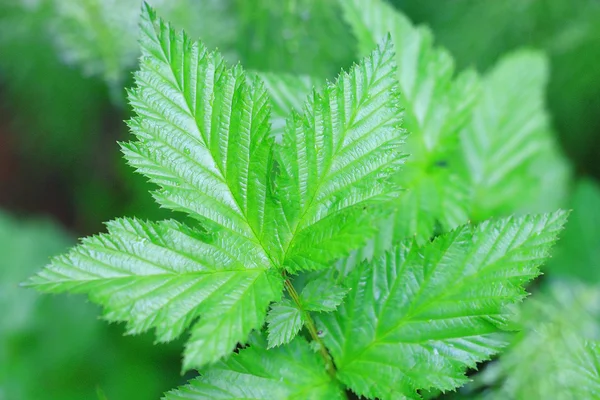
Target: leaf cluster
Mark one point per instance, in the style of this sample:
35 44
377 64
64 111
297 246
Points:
309 248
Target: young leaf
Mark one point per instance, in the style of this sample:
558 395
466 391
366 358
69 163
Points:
284 321
322 295
418 317
202 134
557 354
336 162
164 275
293 371
436 105
508 133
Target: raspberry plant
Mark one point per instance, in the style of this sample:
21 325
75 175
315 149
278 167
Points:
305 269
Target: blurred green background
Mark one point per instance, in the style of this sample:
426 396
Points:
64 65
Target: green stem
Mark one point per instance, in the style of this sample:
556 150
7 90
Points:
312 329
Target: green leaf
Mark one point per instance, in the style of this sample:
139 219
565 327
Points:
436 105
53 336
100 36
418 317
293 371
202 133
322 294
508 134
336 162
557 355
164 275
569 34
202 136
284 321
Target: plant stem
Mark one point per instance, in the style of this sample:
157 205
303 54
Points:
312 329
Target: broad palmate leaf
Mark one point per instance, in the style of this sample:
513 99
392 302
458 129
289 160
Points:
418 317
99 36
260 210
289 372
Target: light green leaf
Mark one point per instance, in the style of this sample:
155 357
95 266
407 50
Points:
56 336
290 372
322 294
202 133
418 317
436 105
336 162
100 36
284 321
557 354
509 133
164 275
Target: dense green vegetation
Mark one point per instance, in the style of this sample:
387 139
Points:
319 234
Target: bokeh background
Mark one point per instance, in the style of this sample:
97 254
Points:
64 65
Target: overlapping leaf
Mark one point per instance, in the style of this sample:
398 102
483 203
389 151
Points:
336 163
288 372
202 133
556 355
322 294
436 103
418 317
506 139
99 36
163 276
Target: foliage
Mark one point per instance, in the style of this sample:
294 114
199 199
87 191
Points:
56 337
367 234
273 211
568 32
417 317
100 36
266 215
510 158
456 129
556 355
